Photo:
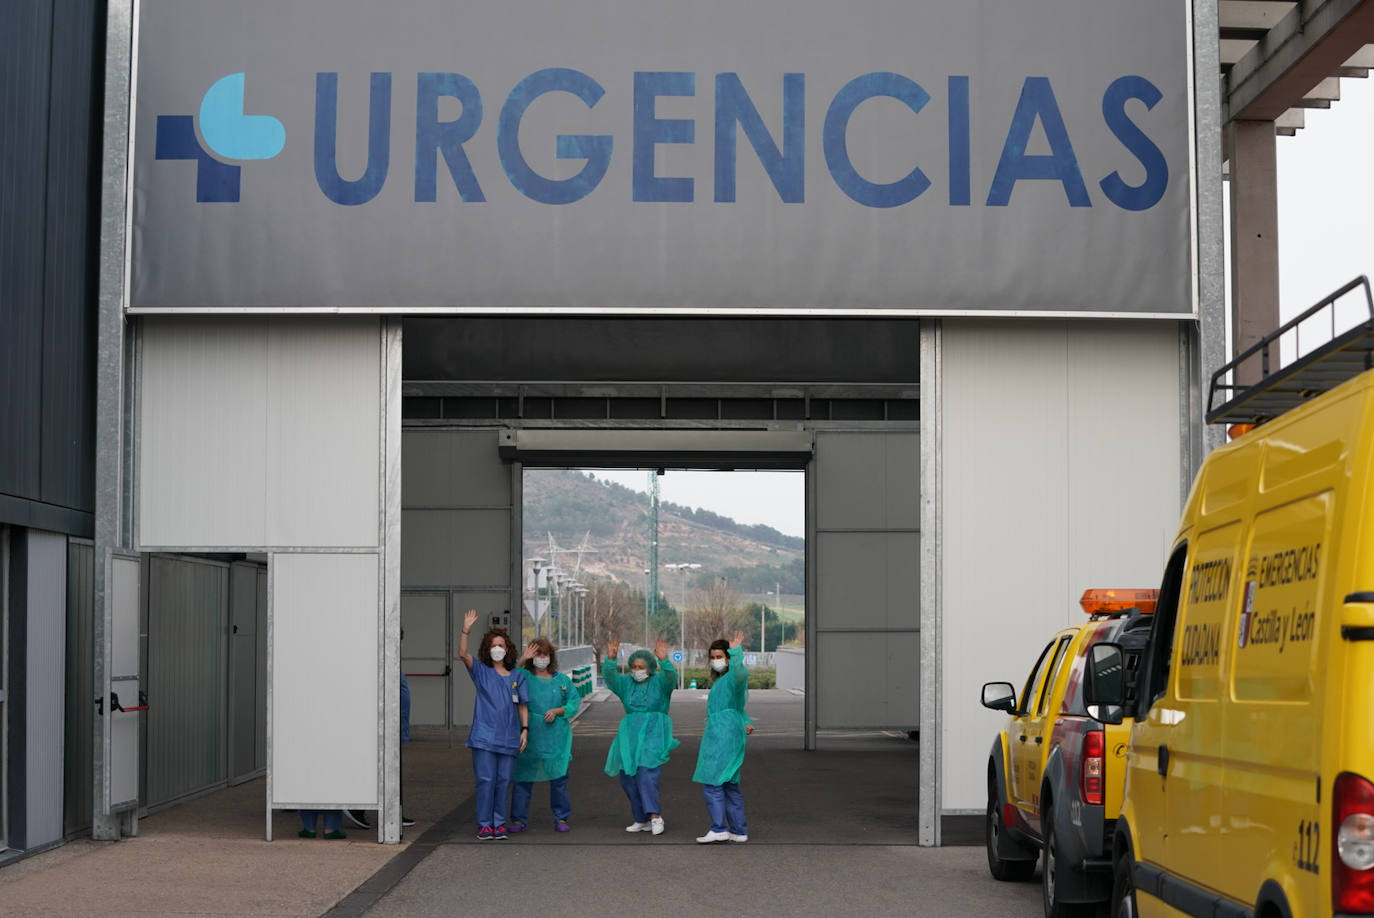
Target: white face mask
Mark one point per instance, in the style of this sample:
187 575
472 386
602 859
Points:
498 653
541 662
639 675
719 665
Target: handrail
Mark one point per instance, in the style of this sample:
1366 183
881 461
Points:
1307 375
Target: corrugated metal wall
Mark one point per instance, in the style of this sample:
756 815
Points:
77 762
185 654
49 210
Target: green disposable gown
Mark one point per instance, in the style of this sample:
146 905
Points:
722 742
549 747
645 736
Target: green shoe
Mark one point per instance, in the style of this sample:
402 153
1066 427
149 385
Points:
306 833
337 833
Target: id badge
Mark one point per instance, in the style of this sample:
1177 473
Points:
514 698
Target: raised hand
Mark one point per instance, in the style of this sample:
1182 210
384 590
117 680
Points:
613 649
737 639
529 651
469 619
661 649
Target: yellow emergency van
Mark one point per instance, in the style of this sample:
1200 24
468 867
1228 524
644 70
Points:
1251 754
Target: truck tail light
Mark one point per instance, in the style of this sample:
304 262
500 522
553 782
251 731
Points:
1090 767
1352 851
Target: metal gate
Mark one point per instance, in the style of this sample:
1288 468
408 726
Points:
186 678
460 550
247 671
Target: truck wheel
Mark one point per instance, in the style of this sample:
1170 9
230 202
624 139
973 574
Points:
1123 888
1049 876
1002 869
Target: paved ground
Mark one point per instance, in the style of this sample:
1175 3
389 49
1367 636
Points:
831 832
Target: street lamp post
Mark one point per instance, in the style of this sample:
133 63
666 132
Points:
646 607
682 568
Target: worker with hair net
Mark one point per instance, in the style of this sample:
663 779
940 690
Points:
645 736
722 743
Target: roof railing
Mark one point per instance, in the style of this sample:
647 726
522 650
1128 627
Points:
1278 389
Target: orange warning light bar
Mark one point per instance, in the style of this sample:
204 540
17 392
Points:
1107 601
1238 430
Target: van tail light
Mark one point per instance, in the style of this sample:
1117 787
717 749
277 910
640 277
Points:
1352 853
1090 767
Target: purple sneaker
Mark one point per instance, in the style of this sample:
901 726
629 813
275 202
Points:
515 828
562 826
484 833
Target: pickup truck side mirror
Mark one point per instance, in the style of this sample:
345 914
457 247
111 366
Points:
999 696
1104 690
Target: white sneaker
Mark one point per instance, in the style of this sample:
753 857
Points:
637 827
657 824
713 836
737 838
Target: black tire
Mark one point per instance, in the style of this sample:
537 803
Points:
1018 871
1050 871
1123 887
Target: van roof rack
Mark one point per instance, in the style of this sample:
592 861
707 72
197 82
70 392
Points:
1323 368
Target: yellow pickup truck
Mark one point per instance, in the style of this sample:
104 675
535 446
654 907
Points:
1054 774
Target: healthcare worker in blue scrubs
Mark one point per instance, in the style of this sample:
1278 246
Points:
645 736
500 723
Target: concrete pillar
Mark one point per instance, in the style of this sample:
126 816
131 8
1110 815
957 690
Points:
1254 236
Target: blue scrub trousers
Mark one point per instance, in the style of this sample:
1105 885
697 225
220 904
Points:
333 819
642 789
558 800
493 771
725 806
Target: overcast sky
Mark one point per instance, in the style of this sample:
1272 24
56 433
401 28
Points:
1326 207
774 499
1326 199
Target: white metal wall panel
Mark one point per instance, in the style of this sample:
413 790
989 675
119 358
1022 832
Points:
259 432
46 618
202 448
324 425
866 561
324 609
1060 458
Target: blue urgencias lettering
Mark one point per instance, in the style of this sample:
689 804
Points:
781 153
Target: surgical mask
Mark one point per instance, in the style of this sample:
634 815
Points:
541 662
498 653
639 675
719 665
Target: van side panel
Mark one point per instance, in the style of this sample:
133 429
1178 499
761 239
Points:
1195 771
1272 738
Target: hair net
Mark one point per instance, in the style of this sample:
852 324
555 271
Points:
647 657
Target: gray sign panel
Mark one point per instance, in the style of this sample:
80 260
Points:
798 156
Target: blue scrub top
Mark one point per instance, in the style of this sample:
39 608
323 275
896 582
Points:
495 719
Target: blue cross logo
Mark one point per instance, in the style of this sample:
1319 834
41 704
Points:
228 132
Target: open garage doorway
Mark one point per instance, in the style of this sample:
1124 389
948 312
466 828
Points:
683 555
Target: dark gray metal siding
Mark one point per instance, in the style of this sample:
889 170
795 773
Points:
51 53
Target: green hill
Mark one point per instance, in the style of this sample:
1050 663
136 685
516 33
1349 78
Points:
613 520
